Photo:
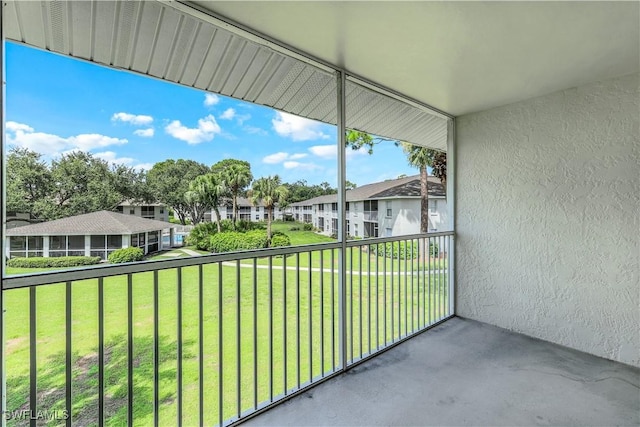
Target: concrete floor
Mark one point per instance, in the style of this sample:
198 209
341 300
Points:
468 373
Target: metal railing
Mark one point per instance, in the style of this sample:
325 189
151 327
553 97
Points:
216 338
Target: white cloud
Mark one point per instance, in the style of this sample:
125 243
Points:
240 119
21 135
207 129
298 165
112 157
297 128
331 151
210 99
228 114
137 120
255 131
145 133
276 158
282 156
14 127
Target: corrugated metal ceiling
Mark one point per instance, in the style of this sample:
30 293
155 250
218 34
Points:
159 40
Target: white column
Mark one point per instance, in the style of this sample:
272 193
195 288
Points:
126 240
87 245
45 246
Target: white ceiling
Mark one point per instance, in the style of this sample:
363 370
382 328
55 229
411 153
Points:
459 57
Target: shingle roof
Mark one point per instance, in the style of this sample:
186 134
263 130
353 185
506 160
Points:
101 222
402 187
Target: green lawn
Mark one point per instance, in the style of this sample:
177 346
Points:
310 297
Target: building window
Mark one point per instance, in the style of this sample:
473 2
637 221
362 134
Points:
321 223
334 226
132 211
257 217
321 207
389 209
119 209
148 212
387 232
21 246
334 207
161 210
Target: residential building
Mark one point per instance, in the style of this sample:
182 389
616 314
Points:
157 211
246 211
381 209
93 234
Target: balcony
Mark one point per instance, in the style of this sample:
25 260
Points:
213 339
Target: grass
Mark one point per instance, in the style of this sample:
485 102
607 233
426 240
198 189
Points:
310 296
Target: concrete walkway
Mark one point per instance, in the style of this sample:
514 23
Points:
466 373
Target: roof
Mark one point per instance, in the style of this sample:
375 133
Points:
394 188
101 222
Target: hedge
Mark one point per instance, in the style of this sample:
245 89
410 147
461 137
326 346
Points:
49 262
235 241
126 255
201 233
396 250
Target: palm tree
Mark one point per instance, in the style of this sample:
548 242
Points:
210 189
421 157
236 177
270 192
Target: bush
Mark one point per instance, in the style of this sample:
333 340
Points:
126 255
280 239
402 250
294 228
307 226
49 262
235 241
199 235
433 249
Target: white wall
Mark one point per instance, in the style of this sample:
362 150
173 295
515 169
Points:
548 218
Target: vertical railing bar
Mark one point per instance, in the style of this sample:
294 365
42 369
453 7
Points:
220 349
238 346
179 341
360 296
384 289
156 350
201 344
100 351
412 288
130 349
33 356
377 302
271 327
351 356
298 318
284 320
419 256
310 322
423 274
406 280
333 312
440 260
368 296
255 334
321 313
438 275
399 293
392 295
68 354
430 300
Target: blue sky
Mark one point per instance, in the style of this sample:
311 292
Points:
57 104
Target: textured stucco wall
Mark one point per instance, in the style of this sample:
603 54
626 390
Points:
548 218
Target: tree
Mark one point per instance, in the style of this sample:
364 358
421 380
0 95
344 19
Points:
208 191
270 192
29 181
169 181
236 175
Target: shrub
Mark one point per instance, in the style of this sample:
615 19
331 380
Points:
433 249
294 228
307 227
280 239
236 241
126 255
199 235
49 262
402 250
